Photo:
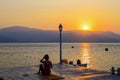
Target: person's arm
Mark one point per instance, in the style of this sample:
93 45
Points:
41 60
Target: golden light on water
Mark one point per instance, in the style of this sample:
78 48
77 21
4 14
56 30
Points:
85 54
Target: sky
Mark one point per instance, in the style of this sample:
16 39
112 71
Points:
98 15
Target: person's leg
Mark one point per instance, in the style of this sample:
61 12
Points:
40 68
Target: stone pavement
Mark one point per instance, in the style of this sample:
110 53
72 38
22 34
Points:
70 72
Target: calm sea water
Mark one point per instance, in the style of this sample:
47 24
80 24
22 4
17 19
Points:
29 54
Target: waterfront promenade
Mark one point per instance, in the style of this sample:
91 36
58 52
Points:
69 72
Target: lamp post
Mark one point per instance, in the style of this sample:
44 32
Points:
60 29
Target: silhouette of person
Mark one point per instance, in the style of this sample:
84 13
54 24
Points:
45 67
78 62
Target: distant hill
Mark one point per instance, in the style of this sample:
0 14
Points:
25 34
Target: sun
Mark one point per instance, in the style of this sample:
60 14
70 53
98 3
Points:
85 28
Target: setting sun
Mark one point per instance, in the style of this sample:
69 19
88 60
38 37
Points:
85 28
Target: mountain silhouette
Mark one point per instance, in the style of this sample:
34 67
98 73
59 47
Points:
29 35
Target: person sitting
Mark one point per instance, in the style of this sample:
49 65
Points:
78 62
45 67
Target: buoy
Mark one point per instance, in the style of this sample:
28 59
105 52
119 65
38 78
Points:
106 49
72 46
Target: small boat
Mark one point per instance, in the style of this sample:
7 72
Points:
82 65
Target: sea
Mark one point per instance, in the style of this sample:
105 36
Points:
29 54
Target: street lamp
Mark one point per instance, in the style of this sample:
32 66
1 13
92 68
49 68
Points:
60 29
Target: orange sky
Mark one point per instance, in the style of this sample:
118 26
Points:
102 15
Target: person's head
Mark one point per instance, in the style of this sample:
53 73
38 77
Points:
46 57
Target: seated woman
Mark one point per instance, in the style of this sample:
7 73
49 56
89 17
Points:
45 68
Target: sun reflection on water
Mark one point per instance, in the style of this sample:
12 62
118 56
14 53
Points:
85 56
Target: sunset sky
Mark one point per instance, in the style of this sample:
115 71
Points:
98 15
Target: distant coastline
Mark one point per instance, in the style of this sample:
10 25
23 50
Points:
20 34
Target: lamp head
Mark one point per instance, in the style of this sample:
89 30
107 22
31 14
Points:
60 27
